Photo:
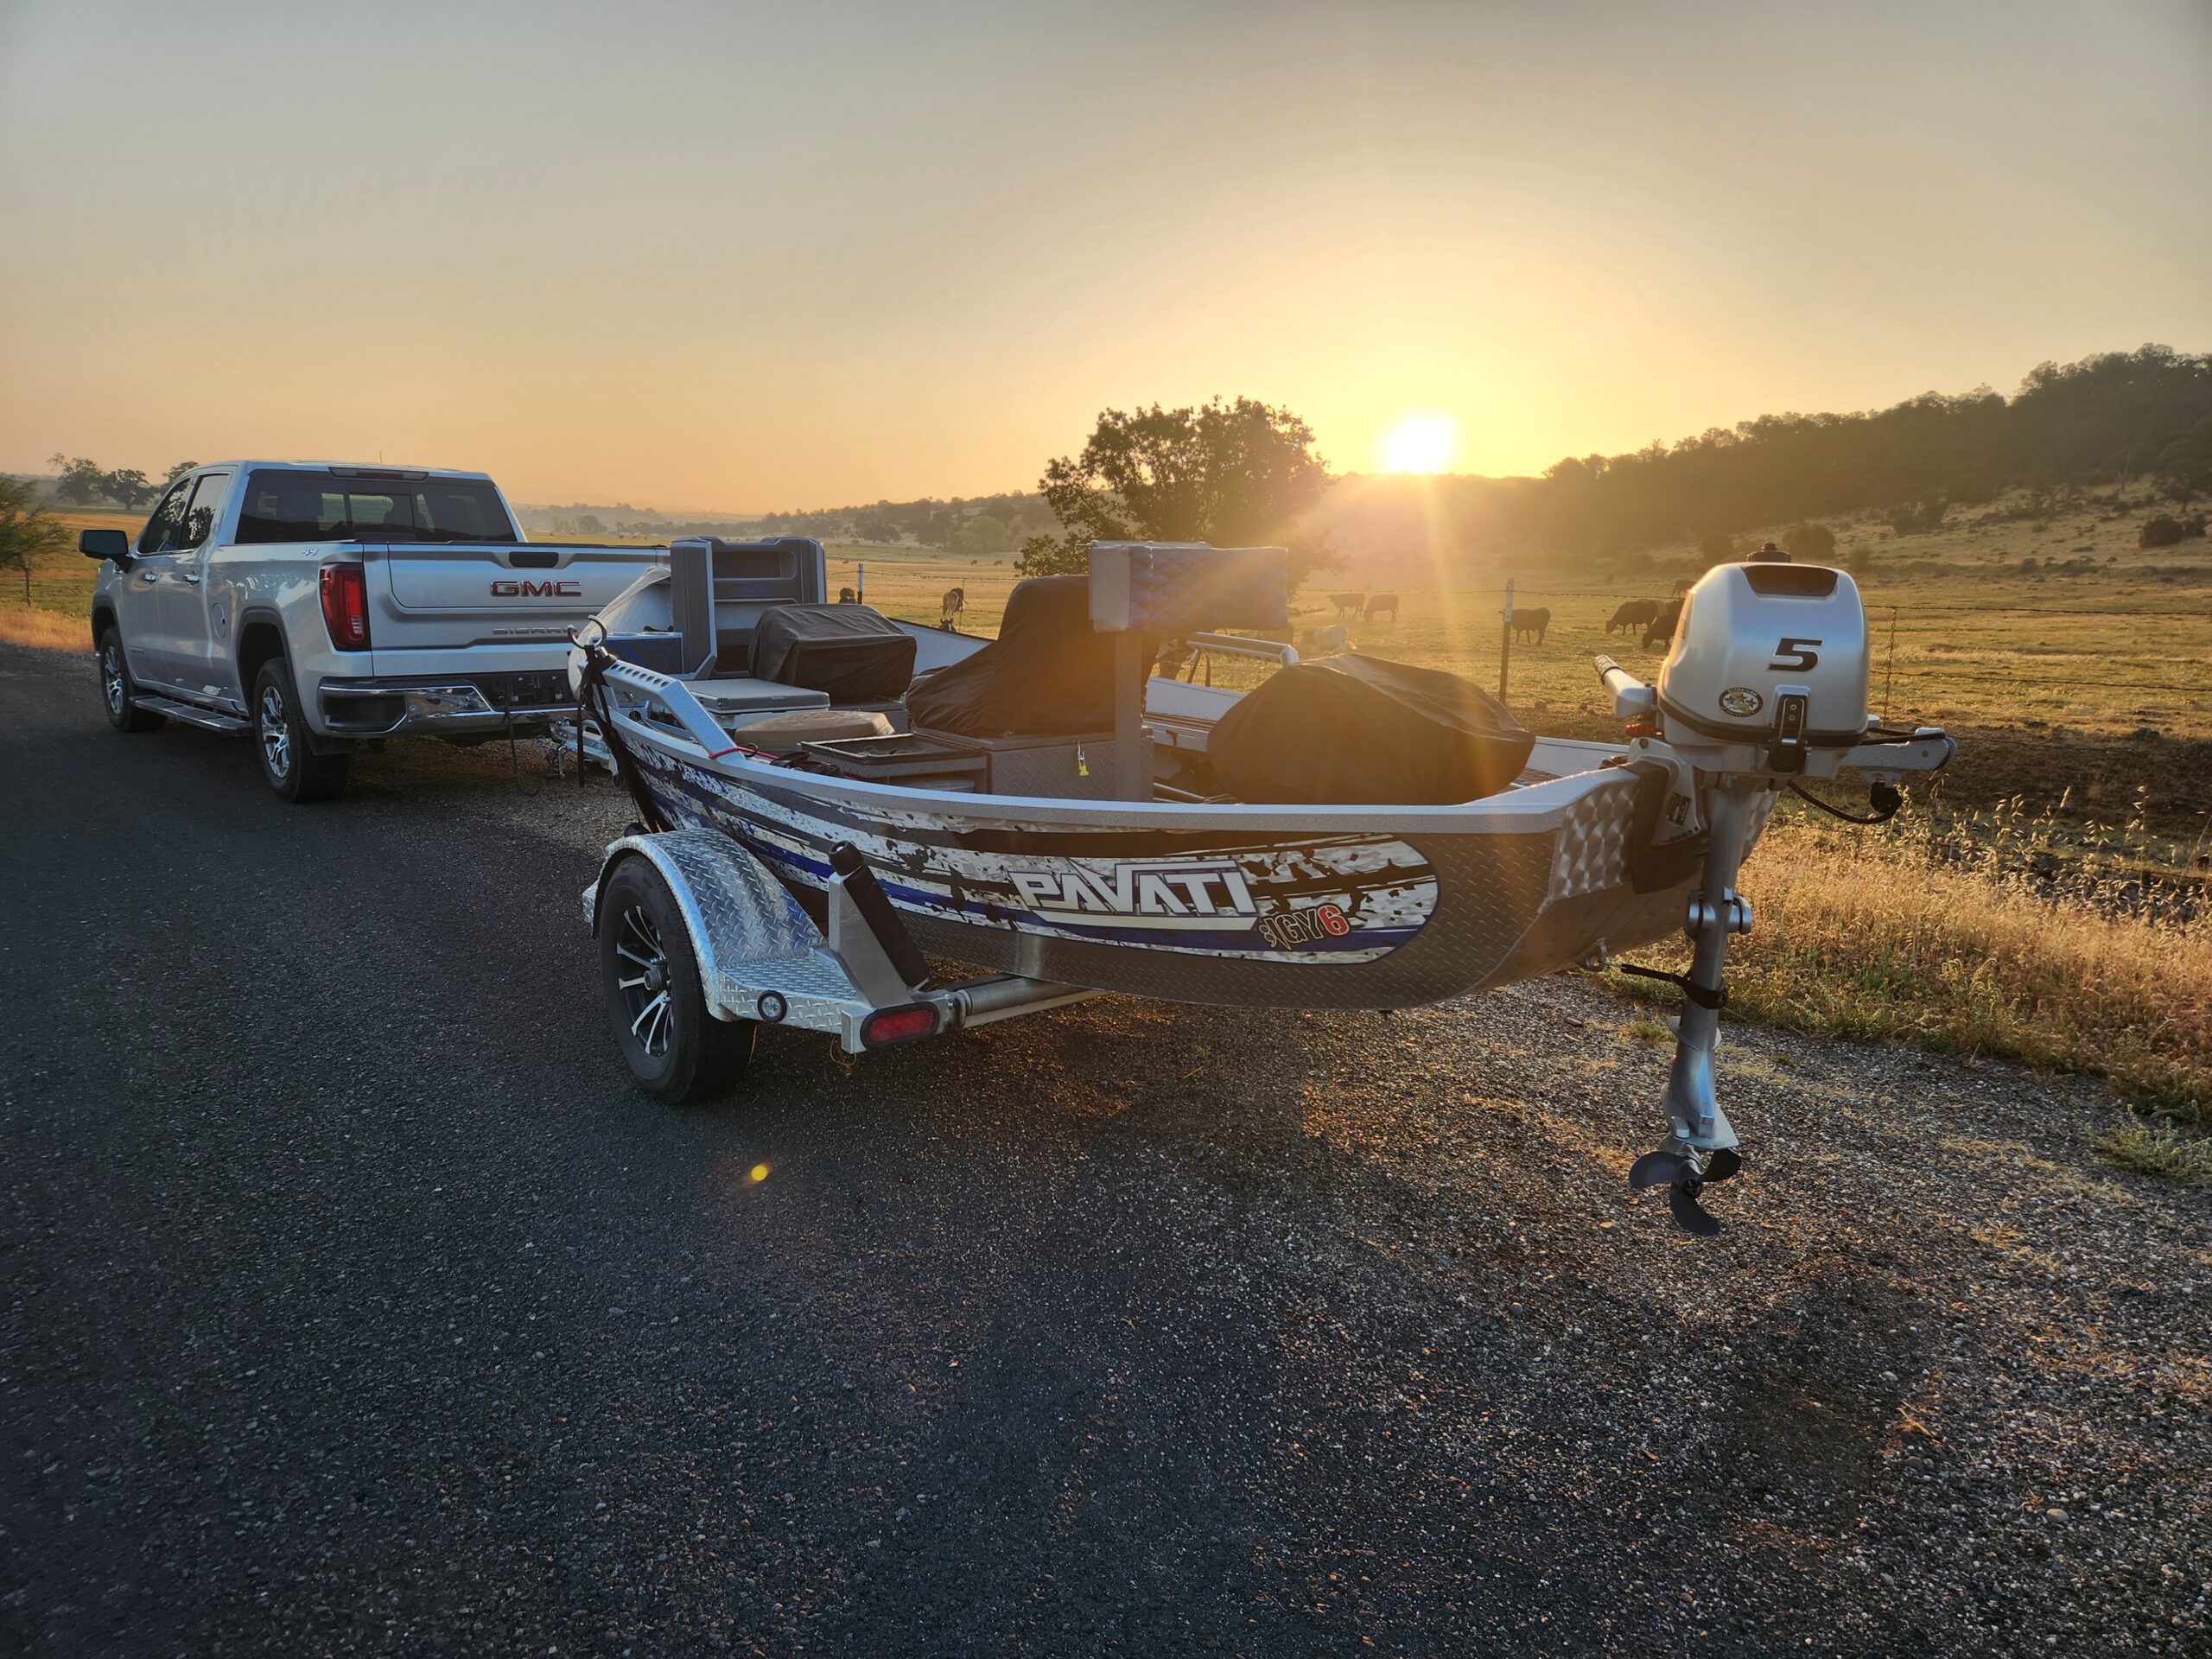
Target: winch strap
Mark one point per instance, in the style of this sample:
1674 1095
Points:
1715 997
591 697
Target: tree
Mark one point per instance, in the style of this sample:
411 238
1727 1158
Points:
177 472
588 525
128 487
981 535
2185 465
1813 542
25 530
80 480
1235 474
1717 549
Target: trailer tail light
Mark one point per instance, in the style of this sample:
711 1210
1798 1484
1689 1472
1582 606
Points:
888 1026
346 606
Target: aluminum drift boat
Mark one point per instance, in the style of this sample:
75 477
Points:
809 839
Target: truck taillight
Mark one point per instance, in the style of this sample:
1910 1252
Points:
346 606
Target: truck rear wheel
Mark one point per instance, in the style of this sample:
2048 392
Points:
117 688
281 739
675 1050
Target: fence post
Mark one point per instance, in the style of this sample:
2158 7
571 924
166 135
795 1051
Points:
860 583
1505 644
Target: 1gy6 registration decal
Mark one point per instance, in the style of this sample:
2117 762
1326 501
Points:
1289 929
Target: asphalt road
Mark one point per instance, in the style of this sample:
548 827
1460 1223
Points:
354 1303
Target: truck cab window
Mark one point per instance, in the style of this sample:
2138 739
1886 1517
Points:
166 515
318 506
199 517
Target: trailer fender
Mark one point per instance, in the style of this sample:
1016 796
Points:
737 913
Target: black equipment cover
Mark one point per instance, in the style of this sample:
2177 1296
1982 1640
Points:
1049 673
851 652
1357 730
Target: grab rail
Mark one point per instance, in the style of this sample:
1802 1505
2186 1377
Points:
1230 644
675 697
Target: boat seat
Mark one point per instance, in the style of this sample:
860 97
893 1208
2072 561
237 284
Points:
1049 673
786 731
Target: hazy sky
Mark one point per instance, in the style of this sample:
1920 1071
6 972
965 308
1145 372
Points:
718 256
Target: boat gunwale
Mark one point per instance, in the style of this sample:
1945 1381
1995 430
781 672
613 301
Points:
1526 809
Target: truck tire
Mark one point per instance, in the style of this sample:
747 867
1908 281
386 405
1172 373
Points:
676 1052
117 688
281 739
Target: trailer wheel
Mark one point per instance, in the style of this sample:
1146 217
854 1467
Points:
677 1051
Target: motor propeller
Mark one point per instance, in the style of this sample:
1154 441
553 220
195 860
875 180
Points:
1684 1177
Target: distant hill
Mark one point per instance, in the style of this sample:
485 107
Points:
2109 418
2114 417
991 522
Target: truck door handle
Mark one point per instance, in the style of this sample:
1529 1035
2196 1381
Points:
192 577
149 576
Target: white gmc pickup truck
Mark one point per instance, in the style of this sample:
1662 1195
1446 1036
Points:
319 607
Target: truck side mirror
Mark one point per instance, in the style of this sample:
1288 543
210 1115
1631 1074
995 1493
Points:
105 544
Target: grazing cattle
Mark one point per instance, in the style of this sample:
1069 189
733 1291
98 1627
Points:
1637 613
845 596
1380 603
1533 620
1661 631
1348 604
1330 638
954 602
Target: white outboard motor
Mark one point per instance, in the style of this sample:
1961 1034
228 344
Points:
1765 685
1768 672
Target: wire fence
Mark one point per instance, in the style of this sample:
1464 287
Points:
1890 624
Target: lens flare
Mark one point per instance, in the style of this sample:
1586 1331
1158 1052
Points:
1417 442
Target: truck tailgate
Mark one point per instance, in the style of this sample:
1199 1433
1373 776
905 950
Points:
442 595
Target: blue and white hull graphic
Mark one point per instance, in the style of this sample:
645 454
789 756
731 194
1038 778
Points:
1241 907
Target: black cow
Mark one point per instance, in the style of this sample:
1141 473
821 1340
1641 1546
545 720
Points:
1535 621
1637 613
1661 631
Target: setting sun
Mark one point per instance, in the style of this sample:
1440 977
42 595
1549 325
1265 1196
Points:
1418 443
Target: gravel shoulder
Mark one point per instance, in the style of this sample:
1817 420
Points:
354 1304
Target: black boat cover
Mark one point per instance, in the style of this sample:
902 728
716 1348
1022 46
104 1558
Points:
851 652
1357 730
1049 673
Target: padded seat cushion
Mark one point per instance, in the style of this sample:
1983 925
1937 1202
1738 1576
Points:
779 733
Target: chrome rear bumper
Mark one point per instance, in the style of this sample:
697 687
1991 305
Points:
381 708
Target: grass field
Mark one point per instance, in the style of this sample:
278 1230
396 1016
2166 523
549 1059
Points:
1962 635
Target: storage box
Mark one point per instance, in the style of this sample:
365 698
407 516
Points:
1060 768
915 760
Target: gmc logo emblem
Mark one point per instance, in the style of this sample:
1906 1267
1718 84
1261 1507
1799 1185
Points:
508 588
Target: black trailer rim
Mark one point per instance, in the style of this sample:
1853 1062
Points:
641 979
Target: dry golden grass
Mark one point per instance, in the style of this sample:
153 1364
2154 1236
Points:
46 630
1863 935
